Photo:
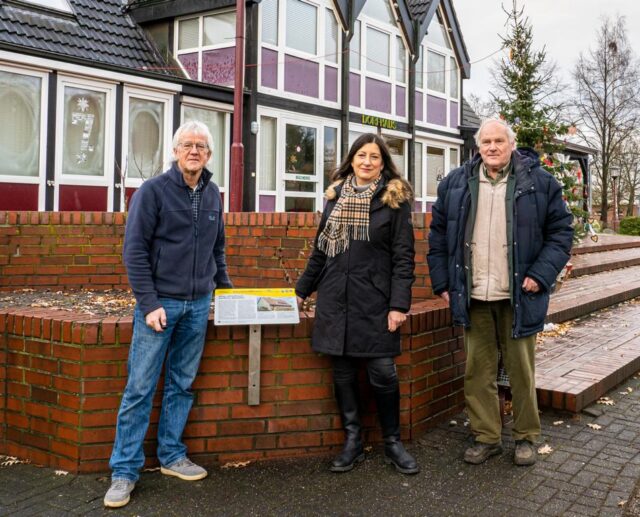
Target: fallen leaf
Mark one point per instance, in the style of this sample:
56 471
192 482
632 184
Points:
545 449
8 461
629 389
558 422
621 503
606 401
235 464
453 423
61 473
595 427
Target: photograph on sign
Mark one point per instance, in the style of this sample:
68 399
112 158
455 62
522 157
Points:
255 307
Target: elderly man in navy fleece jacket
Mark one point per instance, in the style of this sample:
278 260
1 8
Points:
174 254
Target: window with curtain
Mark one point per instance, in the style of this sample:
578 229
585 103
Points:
453 158
330 153
435 169
146 135
268 146
420 69
437 33
269 21
219 29
83 132
216 122
188 32
60 5
417 175
302 23
20 98
396 148
377 52
379 10
355 48
401 61
435 71
453 78
331 37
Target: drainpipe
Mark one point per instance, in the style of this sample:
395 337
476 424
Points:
237 148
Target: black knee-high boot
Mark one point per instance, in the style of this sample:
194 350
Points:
388 402
353 451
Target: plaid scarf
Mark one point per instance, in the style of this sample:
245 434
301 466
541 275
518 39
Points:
349 218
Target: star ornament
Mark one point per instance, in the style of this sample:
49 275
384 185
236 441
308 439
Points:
83 104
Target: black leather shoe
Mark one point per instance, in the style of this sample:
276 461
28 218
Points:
397 455
351 455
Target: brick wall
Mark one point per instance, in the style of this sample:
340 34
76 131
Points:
76 250
64 375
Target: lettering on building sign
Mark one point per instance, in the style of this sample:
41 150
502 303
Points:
384 123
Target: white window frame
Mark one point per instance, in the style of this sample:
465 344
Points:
150 95
200 49
227 110
282 50
106 179
362 128
444 143
40 179
393 31
282 119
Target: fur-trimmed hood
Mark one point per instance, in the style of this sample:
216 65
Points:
396 192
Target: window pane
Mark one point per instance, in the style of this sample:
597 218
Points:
146 138
417 175
396 148
453 78
61 5
435 72
379 10
299 204
377 52
188 33
300 150
435 169
330 153
220 29
269 21
453 158
437 33
301 26
401 61
268 143
331 37
83 132
20 97
353 136
354 45
215 121
420 69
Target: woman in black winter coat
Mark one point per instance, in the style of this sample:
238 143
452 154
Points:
362 268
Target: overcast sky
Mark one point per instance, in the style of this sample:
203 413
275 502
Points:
564 27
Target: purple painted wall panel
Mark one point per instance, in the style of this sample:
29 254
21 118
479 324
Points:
401 103
436 110
218 66
190 63
419 107
453 114
267 204
430 205
377 95
417 206
269 68
354 89
330 84
301 76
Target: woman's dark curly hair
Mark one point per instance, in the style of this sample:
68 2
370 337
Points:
389 170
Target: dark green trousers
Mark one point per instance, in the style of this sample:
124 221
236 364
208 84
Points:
491 328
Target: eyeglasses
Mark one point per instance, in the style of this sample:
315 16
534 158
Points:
187 146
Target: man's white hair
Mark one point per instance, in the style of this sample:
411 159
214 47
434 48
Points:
510 133
195 127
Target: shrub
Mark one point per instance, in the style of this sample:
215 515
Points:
630 226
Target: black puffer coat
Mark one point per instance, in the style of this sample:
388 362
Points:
358 288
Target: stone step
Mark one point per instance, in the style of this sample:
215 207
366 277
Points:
590 263
606 242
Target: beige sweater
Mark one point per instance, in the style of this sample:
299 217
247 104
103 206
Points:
489 258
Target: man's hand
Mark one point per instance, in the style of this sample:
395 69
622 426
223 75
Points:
445 296
395 320
530 285
157 319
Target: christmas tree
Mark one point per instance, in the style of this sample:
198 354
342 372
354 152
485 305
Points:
528 86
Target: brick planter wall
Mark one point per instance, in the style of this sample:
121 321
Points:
64 375
82 250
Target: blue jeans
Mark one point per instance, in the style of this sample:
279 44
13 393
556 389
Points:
181 343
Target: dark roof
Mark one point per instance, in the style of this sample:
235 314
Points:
419 8
98 32
469 117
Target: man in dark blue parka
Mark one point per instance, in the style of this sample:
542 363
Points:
500 235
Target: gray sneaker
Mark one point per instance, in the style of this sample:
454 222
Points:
480 452
525 454
118 493
185 469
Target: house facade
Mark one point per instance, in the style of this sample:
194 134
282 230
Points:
91 93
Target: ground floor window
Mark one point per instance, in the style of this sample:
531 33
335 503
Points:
433 161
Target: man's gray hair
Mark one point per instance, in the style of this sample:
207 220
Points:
195 127
510 133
